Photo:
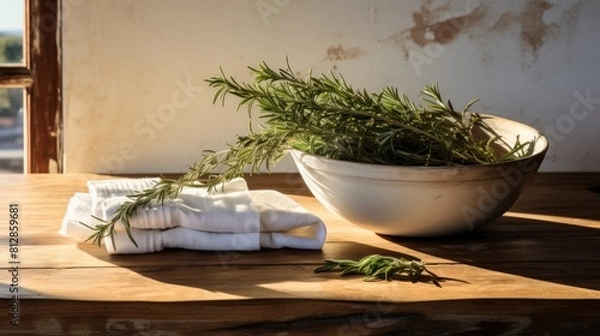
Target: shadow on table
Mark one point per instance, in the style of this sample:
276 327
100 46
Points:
548 251
564 198
256 272
554 252
538 249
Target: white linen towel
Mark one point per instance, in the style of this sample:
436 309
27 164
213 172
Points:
230 218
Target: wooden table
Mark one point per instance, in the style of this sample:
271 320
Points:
535 271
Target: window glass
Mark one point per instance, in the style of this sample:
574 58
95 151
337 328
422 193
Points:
12 21
11 131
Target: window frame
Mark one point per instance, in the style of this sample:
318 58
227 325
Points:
40 76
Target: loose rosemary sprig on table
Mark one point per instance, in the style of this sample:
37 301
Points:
376 267
325 116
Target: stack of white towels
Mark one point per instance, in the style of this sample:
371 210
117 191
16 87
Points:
232 218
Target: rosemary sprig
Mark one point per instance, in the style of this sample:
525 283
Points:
325 116
253 150
163 189
376 267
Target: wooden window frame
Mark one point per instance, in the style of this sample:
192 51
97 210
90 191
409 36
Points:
40 76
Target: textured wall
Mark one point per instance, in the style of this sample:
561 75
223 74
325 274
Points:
135 100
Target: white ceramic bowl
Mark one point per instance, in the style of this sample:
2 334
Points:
423 201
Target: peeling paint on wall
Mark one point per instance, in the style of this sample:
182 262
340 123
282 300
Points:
533 28
535 31
339 53
441 25
429 28
437 25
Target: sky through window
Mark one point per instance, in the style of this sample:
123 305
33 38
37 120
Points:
11 15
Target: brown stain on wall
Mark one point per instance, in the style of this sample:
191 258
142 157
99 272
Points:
436 25
504 22
399 40
429 28
533 28
339 53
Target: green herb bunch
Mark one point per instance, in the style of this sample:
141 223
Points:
376 267
326 116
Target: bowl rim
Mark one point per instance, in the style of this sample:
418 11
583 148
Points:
382 172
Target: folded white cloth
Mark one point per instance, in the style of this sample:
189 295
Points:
230 218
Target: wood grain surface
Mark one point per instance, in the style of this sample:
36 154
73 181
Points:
534 271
